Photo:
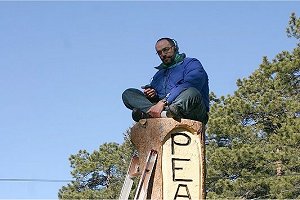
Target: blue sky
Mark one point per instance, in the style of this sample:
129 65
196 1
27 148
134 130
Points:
64 66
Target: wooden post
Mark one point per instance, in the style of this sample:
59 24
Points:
180 167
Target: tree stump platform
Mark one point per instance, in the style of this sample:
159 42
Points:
180 166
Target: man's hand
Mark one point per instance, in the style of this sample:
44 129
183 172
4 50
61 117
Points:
150 93
155 110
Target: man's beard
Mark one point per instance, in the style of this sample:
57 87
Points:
167 60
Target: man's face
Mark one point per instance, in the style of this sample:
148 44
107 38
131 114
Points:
165 51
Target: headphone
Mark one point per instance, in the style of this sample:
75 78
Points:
175 44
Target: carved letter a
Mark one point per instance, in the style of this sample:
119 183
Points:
180 195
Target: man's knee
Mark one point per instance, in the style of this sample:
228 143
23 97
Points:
129 93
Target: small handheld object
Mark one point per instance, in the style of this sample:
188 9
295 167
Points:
146 86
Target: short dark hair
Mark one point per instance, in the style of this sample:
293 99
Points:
171 41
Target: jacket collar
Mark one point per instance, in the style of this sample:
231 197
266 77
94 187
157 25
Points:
178 59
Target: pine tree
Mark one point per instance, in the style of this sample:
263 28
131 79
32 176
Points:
98 175
260 125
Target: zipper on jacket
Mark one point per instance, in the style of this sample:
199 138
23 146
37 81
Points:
166 78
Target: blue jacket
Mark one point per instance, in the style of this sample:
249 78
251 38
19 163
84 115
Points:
172 81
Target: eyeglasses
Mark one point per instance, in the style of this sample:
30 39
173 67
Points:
164 50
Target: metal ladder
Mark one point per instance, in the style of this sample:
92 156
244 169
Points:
133 171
